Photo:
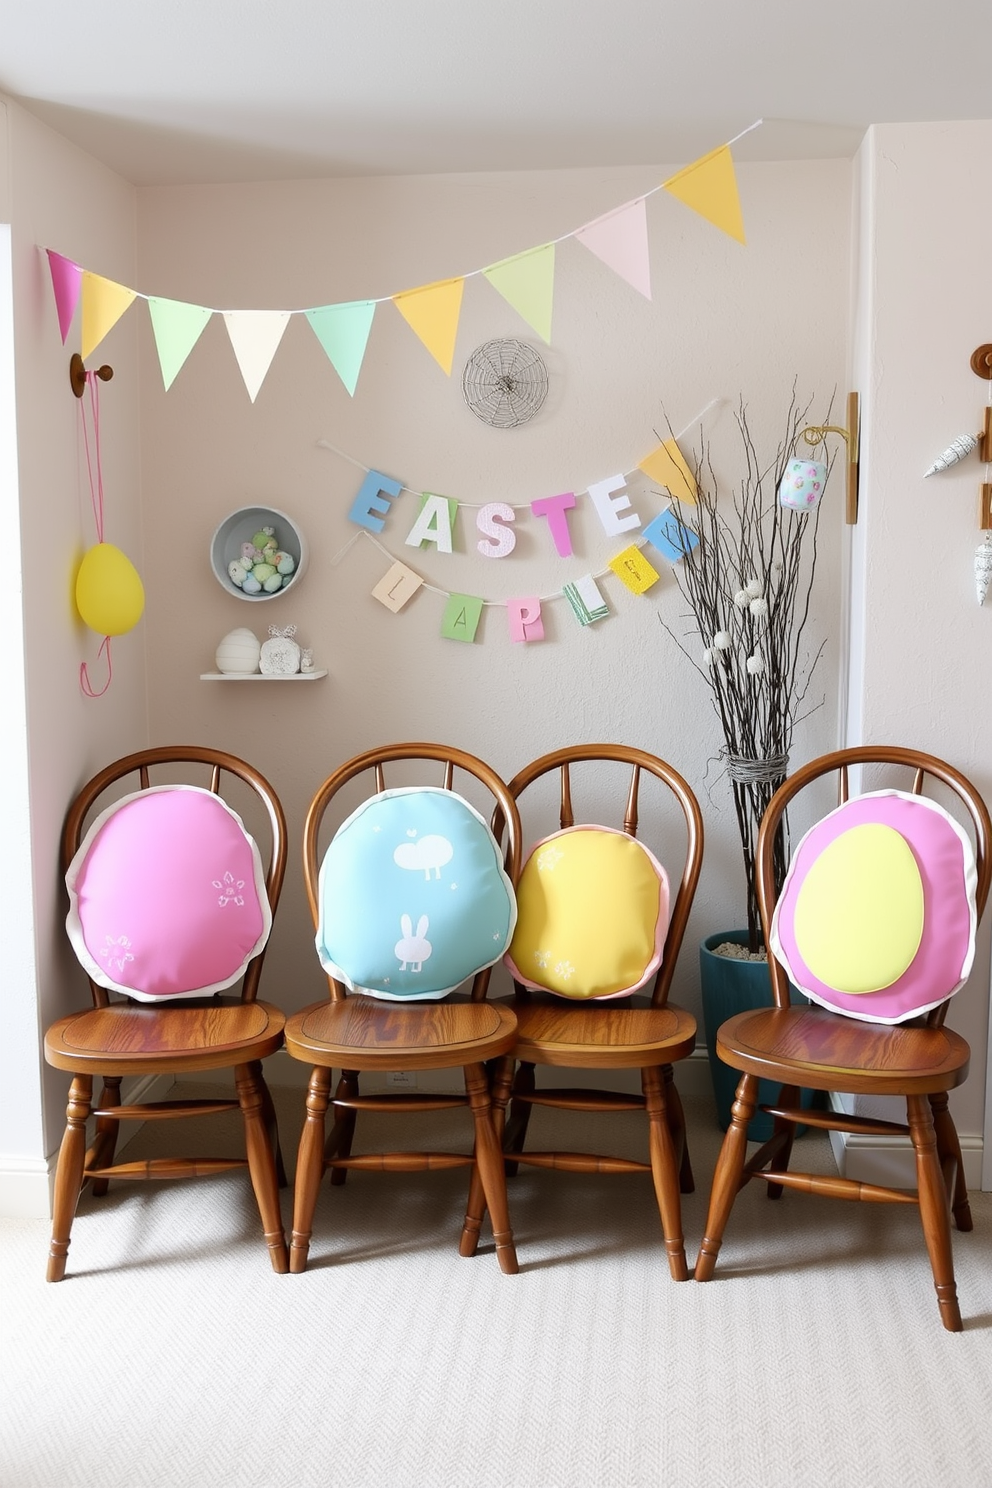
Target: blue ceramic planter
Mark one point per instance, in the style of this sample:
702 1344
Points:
730 986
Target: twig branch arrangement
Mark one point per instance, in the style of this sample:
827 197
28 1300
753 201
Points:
748 580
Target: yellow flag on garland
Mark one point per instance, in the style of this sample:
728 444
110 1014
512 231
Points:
432 311
527 281
709 187
667 468
104 302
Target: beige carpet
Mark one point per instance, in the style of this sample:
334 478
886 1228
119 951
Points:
172 1356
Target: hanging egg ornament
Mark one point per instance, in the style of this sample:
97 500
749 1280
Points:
983 568
958 449
238 652
110 596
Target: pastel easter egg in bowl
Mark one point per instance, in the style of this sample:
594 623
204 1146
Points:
234 542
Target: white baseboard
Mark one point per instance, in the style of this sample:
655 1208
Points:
890 1161
27 1183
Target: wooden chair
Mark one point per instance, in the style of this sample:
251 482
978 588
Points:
353 1032
117 1038
642 1032
813 1047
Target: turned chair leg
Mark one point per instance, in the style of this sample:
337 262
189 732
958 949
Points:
934 1209
262 1164
107 1129
676 1125
492 1174
664 1171
728 1174
500 1074
309 1167
948 1147
271 1124
788 1096
343 1130
69 1173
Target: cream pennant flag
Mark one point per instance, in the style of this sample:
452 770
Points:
343 332
526 282
104 302
255 335
432 311
709 187
177 327
666 466
620 239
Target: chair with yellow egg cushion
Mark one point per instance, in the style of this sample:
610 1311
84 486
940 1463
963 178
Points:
875 924
593 955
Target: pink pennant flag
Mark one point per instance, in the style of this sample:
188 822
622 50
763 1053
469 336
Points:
67 280
620 239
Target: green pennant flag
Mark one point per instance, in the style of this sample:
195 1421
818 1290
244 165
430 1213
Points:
527 282
177 328
343 332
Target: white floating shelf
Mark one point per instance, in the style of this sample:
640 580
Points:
260 677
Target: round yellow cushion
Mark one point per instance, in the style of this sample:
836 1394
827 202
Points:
592 913
859 912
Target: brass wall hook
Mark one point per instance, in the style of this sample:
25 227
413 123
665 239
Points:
815 433
77 374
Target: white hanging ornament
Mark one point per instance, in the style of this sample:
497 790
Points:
983 568
958 449
280 655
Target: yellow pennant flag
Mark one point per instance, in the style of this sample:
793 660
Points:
709 187
433 312
104 302
667 468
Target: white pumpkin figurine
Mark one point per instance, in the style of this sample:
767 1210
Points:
238 653
279 656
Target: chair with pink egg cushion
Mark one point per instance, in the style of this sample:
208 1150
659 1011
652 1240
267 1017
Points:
170 909
875 923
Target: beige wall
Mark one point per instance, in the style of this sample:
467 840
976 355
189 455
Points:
725 322
921 657
60 198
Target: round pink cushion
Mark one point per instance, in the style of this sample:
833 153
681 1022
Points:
167 895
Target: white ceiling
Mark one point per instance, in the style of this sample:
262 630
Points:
230 90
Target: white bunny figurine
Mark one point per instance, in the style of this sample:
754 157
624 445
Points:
413 950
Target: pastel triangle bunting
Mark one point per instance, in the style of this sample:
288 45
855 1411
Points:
666 466
432 312
620 240
67 280
104 302
709 187
527 282
343 332
177 327
255 335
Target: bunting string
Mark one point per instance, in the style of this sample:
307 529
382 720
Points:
525 280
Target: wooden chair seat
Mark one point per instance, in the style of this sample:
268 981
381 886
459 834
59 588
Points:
811 1047
626 1034
136 1038
175 1036
363 1034
818 1049
355 1033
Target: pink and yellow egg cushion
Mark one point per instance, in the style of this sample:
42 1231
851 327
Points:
876 918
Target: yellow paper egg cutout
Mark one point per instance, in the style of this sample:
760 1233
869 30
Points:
859 912
110 596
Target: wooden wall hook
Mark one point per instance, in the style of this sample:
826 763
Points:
77 374
981 361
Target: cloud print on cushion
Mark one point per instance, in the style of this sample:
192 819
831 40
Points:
877 916
167 895
413 897
592 915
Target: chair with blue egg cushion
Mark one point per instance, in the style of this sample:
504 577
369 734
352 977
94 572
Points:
413 901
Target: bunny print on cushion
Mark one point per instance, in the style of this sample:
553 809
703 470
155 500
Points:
416 857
